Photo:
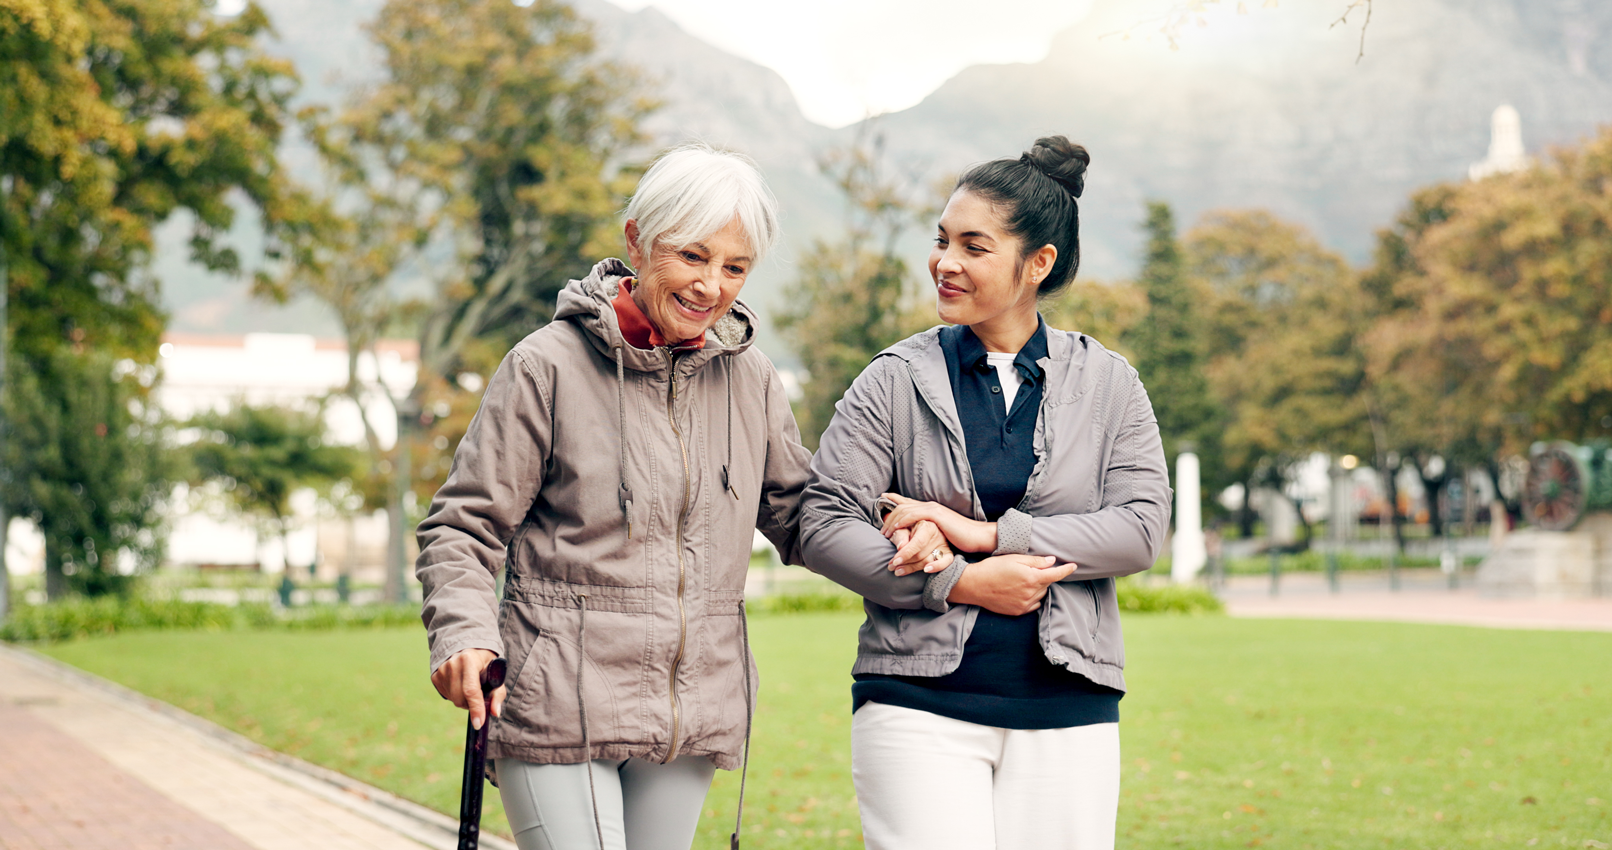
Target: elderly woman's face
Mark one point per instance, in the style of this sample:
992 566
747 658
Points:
684 289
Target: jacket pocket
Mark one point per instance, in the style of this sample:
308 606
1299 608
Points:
1096 610
712 681
542 708
1079 620
723 603
881 632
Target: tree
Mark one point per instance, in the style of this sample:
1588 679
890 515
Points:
1107 312
87 460
1169 344
113 116
500 135
261 455
854 297
1281 322
1492 328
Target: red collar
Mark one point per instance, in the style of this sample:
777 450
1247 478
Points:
636 327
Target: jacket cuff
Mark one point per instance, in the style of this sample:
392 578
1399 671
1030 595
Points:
1013 533
939 585
441 652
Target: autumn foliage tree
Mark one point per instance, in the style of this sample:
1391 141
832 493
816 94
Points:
487 166
1493 303
113 117
1280 326
854 296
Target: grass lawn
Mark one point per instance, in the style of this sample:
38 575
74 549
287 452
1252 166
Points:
1237 733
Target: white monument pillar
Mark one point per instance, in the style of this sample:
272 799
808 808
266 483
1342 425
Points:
1506 154
1187 553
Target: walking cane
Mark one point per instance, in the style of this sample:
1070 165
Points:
476 760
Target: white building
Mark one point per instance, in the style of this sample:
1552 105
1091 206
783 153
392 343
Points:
202 372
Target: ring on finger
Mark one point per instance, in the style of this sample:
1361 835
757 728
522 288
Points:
935 555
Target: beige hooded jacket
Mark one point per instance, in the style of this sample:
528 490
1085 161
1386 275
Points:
619 489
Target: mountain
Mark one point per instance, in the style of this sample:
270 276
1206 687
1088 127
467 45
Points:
1270 110
1273 110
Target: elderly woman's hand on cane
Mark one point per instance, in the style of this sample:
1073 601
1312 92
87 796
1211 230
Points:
459 682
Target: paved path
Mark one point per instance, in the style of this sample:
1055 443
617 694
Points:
1424 597
85 765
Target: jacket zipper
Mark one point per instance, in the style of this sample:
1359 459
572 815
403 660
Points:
682 615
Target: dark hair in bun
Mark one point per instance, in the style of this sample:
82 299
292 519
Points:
1037 194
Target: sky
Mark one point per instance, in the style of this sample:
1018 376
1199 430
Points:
899 51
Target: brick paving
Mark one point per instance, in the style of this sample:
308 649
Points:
57 793
83 770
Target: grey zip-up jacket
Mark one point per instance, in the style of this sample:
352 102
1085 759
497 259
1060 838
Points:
620 489
1099 497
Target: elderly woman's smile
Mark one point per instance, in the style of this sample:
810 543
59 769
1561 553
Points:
684 290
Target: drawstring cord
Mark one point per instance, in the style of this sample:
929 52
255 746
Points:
749 720
621 419
726 483
582 709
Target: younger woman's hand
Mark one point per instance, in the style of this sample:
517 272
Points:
1008 584
921 547
964 534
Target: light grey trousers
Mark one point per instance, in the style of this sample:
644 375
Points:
643 805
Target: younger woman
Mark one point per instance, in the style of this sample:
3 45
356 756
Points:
987 688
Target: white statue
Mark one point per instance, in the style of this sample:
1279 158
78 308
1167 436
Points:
1506 153
1187 553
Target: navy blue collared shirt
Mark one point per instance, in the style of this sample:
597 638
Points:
1000 442
1004 679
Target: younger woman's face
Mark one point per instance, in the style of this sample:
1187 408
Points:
976 264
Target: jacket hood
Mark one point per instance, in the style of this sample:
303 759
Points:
586 302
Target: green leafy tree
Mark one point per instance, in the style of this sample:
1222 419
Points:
113 117
87 460
261 455
1108 312
854 296
1168 343
495 153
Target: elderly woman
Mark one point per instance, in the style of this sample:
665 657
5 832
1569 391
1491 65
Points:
987 688
620 462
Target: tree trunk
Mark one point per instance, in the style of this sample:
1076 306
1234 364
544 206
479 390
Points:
397 550
1304 522
5 575
1434 487
55 579
1469 504
1513 506
1245 514
1391 491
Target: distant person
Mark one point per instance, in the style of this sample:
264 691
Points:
987 688
621 460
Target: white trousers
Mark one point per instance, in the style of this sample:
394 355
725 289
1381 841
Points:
643 805
931 782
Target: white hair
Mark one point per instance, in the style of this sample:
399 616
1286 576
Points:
694 190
